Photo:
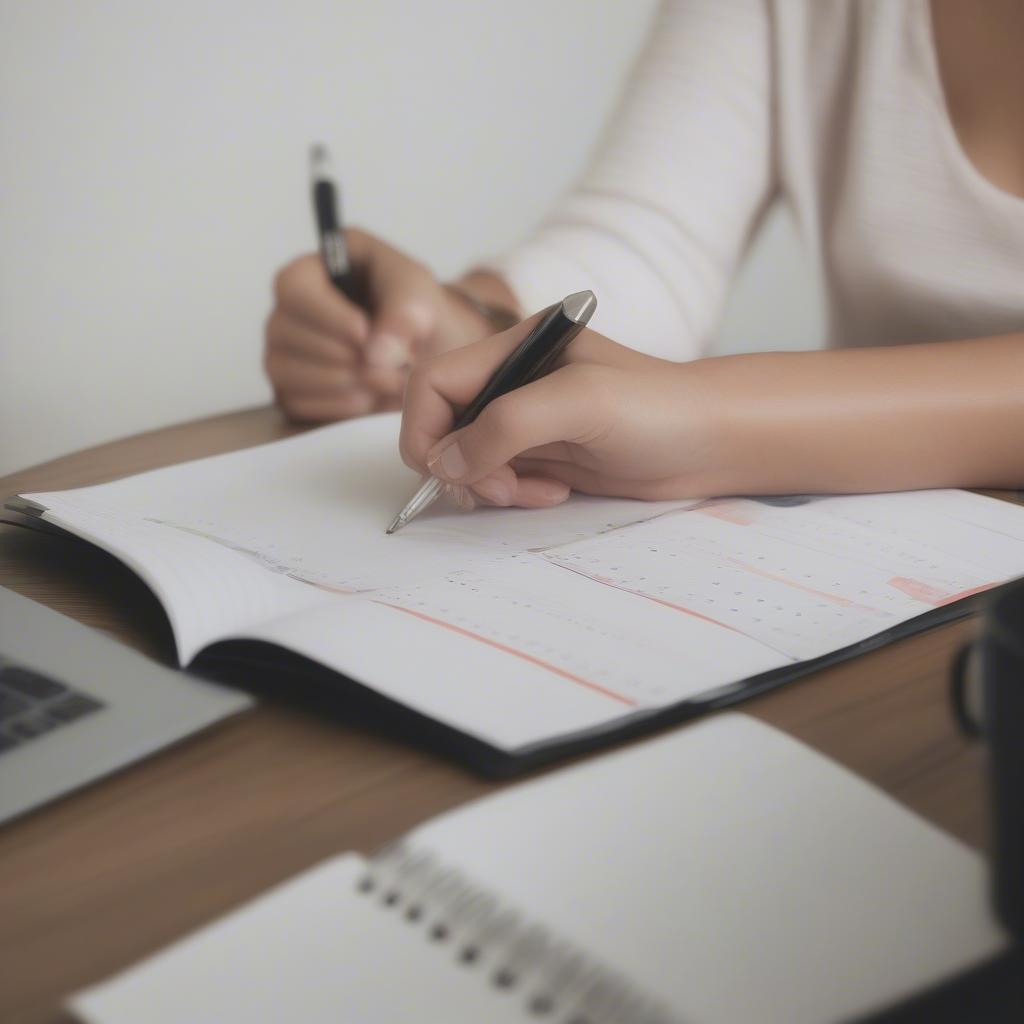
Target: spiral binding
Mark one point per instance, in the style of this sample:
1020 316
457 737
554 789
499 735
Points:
554 981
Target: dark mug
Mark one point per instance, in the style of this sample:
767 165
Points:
988 699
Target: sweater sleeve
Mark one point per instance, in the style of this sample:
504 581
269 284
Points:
664 212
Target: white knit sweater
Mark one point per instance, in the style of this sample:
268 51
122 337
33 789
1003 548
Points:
835 106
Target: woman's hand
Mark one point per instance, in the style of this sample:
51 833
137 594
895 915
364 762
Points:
608 420
612 421
328 358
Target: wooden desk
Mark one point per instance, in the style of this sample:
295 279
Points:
99 879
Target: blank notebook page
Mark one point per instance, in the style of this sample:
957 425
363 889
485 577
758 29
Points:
733 872
727 870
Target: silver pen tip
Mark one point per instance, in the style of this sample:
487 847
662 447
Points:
579 307
396 524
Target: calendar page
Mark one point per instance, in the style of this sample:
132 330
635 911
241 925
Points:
521 626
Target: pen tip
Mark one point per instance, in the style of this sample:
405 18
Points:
396 524
579 307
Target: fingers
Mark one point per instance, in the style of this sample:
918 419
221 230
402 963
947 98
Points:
295 376
587 480
440 386
387 384
314 325
499 488
570 474
314 377
314 331
404 297
538 492
303 291
292 338
388 403
558 407
505 487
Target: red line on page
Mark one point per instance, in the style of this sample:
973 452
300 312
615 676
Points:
650 597
579 680
675 607
843 602
928 594
970 592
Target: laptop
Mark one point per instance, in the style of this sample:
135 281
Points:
76 705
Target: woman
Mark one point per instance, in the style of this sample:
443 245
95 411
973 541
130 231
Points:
896 132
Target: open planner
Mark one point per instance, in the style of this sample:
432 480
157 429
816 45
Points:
720 874
507 636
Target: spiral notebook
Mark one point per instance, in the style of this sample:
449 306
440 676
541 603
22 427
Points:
721 874
509 637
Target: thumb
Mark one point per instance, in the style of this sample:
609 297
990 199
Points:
403 323
405 311
557 407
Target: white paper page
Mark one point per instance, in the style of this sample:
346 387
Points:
808 579
207 591
518 651
312 950
725 870
521 625
314 507
732 872
665 609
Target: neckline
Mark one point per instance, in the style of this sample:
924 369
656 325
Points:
925 32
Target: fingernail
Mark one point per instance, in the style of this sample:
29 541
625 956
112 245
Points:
449 465
556 493
463 498
497 491
387 352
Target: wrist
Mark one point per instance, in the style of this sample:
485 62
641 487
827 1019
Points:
480 304
707 429
487 288
496 318
759 436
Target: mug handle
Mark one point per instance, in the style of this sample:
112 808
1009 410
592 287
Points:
963 678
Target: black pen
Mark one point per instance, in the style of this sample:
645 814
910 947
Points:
328 223
534 356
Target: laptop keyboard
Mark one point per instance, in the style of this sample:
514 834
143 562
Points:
32 705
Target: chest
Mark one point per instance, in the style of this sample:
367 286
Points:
979 53
920 210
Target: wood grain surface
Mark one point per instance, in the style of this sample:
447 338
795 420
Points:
101 878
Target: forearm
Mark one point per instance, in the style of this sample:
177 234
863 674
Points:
658 220
873 419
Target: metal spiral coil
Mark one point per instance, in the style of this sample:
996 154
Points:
554 981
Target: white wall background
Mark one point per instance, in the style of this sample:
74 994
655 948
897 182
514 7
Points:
153 176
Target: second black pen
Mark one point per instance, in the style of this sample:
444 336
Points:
328 223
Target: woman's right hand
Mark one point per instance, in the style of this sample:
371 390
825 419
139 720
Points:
328 358
608 420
